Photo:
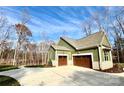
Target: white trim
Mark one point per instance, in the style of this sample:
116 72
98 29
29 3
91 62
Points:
106 64
84 54
105 36
56 58
55 55
104 47
62 55
100 57
102 39
107 56
110 55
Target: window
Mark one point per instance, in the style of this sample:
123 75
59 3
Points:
106 55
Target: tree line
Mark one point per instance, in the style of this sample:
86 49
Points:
111 19
21 50
16 47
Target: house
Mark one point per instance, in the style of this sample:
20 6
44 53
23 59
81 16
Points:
93 51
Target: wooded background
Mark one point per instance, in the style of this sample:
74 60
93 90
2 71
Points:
23 51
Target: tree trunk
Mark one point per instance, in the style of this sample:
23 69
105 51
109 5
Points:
25 59
118 57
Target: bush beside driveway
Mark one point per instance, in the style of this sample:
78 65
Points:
65 76
8 81
7 67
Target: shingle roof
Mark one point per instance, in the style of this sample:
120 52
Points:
71 41
89 41
60 47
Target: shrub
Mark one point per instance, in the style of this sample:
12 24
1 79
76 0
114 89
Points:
7 67
50 63
8 81
116 69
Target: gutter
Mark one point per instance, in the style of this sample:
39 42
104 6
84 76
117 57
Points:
86 48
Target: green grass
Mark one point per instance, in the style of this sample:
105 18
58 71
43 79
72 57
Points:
8 81
7 67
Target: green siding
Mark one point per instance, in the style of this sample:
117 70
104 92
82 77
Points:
52 53
92 50
65 52
105 42
65 44
102 53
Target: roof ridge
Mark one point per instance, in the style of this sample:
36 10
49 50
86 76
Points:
67 38
90 35
77 42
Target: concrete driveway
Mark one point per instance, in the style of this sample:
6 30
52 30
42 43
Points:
64 76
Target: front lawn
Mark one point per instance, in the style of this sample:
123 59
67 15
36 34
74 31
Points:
7 67
8 81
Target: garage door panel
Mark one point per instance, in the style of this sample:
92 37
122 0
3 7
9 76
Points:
84 61
62 60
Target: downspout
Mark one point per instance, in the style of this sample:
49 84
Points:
100 58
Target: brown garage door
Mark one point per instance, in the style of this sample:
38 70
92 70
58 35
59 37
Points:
84 61
62 60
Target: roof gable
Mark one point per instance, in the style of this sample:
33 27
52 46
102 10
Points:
105 41
57 47
64 43
93 40
90 41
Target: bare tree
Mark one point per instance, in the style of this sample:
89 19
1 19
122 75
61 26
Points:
101 18
116 32
44 47
111 21
5 31
31 48
64 33
22 33
97 20
86 27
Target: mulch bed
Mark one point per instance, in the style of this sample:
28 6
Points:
116 69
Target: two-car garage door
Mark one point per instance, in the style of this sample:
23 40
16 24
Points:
79 60
83 60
